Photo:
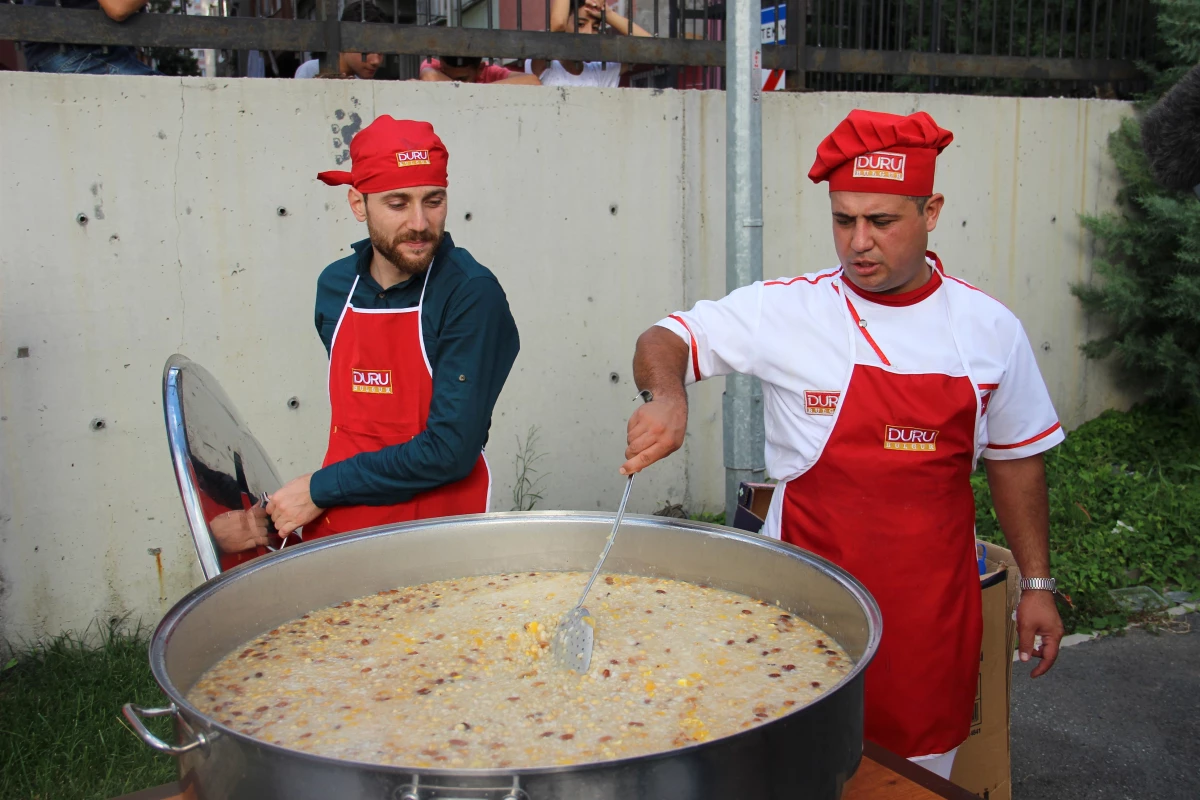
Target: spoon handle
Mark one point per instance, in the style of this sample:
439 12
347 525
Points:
612 537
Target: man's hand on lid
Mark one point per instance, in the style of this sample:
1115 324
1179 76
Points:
291 507
235 531
1037 615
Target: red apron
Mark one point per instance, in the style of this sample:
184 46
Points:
380 387
890 501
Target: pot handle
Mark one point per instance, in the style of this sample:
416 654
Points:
134 715
431 791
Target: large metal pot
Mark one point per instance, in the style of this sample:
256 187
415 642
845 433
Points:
809 753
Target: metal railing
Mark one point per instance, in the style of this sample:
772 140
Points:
911 45
1063 41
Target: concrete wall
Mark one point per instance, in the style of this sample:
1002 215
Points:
206 230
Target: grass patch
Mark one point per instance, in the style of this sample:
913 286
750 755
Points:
1124 510
712 518
61 731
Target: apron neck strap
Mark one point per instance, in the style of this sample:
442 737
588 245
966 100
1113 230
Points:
420 303
425 285
350 295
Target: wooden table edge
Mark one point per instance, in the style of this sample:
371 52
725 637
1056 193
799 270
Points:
934 783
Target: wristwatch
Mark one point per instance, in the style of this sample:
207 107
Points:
1043 584
1046 585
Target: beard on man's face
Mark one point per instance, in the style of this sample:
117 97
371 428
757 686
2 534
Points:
392 248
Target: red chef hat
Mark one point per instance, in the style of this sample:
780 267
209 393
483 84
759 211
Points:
881 153
393 154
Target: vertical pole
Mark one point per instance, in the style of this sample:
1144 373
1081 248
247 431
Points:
243 56
333 38
1078 25
795 33
210 56
975 33
742 404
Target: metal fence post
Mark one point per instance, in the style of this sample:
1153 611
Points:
333 38
742 407
797 38
243 56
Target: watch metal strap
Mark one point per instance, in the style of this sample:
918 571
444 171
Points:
1044 584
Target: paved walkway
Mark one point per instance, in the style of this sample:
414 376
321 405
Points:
1117 718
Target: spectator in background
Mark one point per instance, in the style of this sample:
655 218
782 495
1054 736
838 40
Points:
85 59
583 16
352 65
470 69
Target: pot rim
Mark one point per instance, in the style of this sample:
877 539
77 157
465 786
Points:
163 632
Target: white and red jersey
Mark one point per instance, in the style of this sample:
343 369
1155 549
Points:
793 335
877 409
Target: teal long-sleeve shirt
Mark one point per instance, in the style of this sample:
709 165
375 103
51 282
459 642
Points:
469 332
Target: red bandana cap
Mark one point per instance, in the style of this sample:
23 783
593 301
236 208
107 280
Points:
881 154
392 154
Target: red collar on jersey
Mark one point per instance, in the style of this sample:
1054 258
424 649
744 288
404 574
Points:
902 299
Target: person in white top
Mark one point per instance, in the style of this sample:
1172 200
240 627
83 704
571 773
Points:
606 75
584 17
351 65
885 379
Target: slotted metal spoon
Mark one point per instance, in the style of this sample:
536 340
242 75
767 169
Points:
571 646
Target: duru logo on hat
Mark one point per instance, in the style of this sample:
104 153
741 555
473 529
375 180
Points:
884 166
371 381
412 158
902 437
821 403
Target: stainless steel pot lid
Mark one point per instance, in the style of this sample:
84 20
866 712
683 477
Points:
221 469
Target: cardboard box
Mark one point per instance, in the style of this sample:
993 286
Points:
754 499
983 764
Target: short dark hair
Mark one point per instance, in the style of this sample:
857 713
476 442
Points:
460 61
921 201
360 11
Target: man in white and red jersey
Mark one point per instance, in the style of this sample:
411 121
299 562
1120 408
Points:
884 381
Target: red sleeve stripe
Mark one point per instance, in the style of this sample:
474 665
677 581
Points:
867 336
964 283
1037 438
805 278
989 386
970 286
695 352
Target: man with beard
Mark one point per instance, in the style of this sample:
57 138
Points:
420 342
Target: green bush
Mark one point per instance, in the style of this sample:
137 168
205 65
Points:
1124 509
1148 266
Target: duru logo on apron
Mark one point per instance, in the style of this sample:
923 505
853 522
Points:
899 437
371 381
818 402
